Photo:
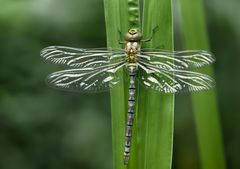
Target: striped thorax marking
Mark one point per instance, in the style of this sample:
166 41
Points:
131 49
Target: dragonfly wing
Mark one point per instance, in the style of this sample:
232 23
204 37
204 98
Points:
176 59
85 80
82 58
174 81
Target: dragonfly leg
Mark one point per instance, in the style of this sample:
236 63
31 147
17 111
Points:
120 40
130 118
154 30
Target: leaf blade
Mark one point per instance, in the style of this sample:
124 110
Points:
205 104
156 110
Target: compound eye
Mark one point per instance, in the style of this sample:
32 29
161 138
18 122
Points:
137 36
127 36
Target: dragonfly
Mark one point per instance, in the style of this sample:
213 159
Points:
96 70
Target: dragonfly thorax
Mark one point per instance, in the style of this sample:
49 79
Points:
131 51
132 48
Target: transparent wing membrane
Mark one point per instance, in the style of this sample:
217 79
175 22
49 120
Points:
86 80
173 81
177 59
82 58
94 69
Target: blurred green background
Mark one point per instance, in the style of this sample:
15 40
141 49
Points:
45 128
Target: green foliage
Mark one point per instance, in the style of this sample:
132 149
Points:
45 128
156 110
116 14
153 129
205 103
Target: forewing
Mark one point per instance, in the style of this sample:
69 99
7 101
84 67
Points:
176 59
174 81
85 80
82 58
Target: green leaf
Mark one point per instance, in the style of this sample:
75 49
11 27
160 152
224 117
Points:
155 111
117 18
205 103
152 140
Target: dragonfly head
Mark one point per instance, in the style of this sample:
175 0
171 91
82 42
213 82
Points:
133 35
